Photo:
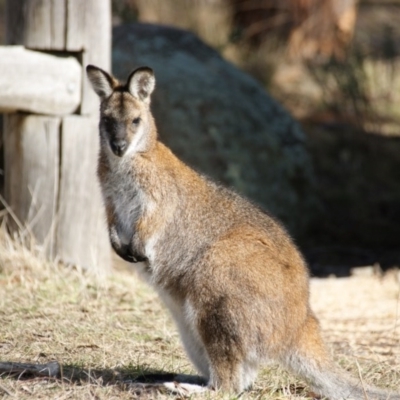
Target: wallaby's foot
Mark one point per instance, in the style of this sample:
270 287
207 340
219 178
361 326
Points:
232 377
184 389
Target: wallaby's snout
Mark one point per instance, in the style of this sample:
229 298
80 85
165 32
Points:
115 133
118 146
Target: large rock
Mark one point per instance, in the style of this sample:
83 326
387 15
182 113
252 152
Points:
221 121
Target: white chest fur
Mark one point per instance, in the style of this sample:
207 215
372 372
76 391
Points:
125 198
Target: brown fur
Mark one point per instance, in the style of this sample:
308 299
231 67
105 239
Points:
231 276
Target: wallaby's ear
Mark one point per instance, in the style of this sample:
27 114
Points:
141 83
102 83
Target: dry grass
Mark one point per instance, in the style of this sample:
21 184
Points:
112 329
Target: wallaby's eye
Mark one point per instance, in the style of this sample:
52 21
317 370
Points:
136 121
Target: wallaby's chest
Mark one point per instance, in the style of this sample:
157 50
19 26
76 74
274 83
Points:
125 199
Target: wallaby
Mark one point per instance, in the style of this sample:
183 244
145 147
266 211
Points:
232 278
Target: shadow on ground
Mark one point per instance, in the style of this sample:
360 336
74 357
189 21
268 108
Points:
136 379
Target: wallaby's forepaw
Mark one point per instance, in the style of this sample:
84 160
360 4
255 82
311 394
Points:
134 258
126 253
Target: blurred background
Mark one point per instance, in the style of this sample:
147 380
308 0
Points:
334 65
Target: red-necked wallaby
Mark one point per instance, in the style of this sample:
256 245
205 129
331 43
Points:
235 283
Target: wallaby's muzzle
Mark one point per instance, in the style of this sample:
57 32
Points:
118 146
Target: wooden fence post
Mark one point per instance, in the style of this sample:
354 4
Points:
50 160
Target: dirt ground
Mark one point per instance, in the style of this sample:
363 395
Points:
360 315
112 329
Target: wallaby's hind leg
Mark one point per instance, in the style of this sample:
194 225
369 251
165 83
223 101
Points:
226 376
185 318
249 373
232 376
226 347
194 349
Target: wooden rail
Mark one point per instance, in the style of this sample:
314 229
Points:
38 82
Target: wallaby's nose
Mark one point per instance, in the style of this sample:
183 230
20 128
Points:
118 146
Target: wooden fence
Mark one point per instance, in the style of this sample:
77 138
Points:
50 129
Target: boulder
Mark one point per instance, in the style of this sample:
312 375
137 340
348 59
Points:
221 121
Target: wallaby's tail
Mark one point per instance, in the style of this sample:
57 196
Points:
311 361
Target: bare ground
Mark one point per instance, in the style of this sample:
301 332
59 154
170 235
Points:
110 330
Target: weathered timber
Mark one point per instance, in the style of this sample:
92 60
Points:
77 26
81 30
38 82
31 167
90 31
81 218
37 24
